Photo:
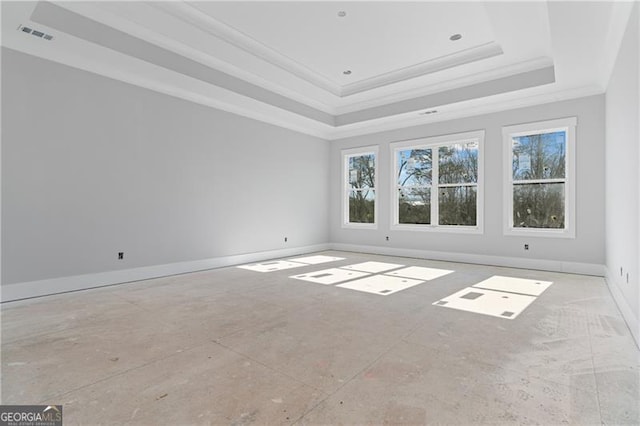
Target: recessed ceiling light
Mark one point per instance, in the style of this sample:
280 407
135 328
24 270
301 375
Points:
342 14
346 72
455 37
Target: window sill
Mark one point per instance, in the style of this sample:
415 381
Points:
539 233
369 226
452 229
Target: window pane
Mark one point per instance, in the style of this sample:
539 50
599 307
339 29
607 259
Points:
414 206
414 167
539 156
457 205
362 171
538 205
361 206
458 163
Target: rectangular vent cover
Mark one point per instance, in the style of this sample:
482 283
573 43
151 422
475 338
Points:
36 33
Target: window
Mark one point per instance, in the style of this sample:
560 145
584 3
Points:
438 183
539 178
360 181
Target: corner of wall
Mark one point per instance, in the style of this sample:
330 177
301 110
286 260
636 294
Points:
627 313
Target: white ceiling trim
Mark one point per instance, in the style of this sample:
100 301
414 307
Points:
111 64
136 30
161 80
471 108
191 14
481 77
476 53
232 102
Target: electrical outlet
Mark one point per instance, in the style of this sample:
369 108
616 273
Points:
387 238
286 239
120 255
526 246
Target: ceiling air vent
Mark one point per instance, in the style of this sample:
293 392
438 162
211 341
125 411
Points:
36 33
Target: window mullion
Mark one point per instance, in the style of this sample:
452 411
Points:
435 177
452 185
533 181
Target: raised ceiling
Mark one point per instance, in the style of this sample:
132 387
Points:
351 48
335 69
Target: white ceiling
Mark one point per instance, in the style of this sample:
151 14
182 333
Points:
284 62
363 41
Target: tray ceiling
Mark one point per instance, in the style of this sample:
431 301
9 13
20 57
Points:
334 69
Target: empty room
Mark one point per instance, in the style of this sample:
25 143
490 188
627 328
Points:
258 212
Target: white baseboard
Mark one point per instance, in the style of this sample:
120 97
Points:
630 318
480 259
25 290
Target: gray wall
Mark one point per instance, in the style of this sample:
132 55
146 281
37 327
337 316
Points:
93 166
622 162
587 247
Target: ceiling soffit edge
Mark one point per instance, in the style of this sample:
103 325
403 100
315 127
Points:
136 30
493 74
465 109
473 54
80 26
194 16
83 27
485 89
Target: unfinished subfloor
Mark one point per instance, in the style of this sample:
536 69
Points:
236 346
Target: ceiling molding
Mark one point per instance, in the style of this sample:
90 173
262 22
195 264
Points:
214 96
471 108
191 14
108 42
136 30
107 36
476 53
511 83
493 74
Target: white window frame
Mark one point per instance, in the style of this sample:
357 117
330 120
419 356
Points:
508 132
346 187
434 143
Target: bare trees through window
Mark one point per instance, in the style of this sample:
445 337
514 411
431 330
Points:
361 172
436 182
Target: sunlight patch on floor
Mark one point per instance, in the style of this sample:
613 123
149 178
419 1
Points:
330 276
315 260
279 265
381 284
373 267
420 273
276 265
498 296
514 285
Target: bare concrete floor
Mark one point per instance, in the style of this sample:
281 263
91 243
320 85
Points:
232 346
